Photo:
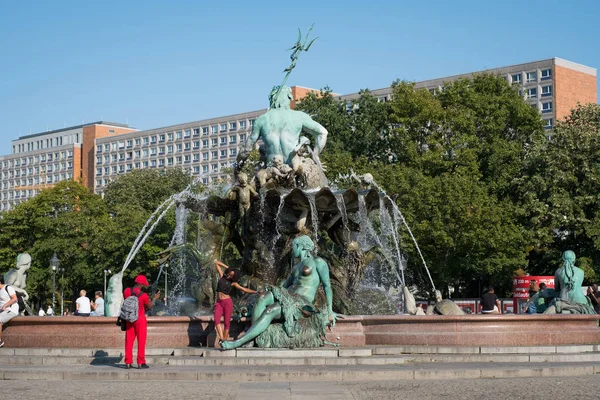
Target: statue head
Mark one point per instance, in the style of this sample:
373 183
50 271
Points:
277 160
569 257
242 178
281 100
23 261
301 245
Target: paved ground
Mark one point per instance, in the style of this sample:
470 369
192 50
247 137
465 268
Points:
584 387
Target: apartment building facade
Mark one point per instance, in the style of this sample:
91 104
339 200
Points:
41 160
99 152
553 86
203 148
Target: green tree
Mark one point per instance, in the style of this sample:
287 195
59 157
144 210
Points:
131 200
66 219
449 160
558 190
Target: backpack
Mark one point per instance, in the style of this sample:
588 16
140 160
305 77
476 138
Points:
130 307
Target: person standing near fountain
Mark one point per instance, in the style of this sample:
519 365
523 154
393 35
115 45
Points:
224 304
139 328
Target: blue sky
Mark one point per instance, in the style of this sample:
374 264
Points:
155 63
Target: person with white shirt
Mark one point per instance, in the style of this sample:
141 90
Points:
9 305
98 305
82 305
50 311
41 313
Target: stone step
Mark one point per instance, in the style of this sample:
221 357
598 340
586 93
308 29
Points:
185 351
186 360
276 373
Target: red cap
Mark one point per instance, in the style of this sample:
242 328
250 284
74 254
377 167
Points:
141 279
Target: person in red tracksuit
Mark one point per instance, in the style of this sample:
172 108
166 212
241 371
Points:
138 328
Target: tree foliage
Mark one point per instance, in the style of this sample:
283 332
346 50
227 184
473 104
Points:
450 160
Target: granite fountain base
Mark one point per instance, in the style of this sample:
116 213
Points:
352 331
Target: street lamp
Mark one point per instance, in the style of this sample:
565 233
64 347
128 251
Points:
62 291
54 263
106 271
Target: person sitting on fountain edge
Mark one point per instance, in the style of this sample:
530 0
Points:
289 305
224 304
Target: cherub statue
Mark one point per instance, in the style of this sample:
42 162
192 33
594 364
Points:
278 171
243 192
16 277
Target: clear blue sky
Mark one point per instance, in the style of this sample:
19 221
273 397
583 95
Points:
155 63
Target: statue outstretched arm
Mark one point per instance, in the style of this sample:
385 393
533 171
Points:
317 131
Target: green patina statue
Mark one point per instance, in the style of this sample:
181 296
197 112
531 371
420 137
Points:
292 304
567 288
280 129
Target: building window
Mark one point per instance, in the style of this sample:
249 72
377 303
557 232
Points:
548 123
232 139
196 144
205 130
214 154
546 74
242 124
204 143
251 123
547 91
138 142
223 153
224 140
242 138
205 156
214 129
170 149
153 139
516 78
196 157
232 126
215 167
196 131
223 127
187 133
532 93
146 140
170 136
187 159
161 138
188 145
196 169
232 152
214 142
547 107
532 76
178 135
170 161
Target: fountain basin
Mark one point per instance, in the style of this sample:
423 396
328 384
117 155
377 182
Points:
352 331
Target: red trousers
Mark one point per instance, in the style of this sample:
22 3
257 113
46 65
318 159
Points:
137 329
223 308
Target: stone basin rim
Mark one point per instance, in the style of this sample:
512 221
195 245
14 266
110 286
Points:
365 319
